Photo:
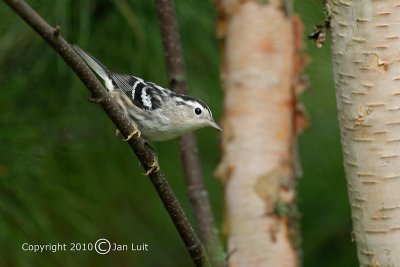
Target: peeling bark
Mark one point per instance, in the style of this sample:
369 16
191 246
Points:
366 56
261 121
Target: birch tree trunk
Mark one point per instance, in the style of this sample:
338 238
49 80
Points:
366 56
260 77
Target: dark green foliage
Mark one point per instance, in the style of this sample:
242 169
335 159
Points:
65 177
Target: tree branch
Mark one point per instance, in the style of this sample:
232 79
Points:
146 157
188 147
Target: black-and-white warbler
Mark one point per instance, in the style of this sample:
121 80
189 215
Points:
158 113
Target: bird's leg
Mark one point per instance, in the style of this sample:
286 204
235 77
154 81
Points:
154 167
135 133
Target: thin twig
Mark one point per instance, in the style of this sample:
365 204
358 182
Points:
188 147
146 157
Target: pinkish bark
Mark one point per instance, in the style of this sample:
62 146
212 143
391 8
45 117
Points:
259 124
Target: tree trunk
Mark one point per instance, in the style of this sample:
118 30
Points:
366 56
260 76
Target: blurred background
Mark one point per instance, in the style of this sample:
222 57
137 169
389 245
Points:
65 177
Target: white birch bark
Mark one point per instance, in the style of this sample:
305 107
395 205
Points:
366 56
259 131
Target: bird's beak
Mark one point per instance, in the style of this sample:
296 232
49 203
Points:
214 125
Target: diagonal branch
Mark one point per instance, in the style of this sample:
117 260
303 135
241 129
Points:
146 157
188 147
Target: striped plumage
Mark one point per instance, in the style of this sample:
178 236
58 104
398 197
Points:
159 113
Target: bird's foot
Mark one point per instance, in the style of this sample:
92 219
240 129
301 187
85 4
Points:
154 167
135 133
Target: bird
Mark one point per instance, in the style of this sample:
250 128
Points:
157 112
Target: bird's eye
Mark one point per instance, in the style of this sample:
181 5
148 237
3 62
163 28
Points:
197 111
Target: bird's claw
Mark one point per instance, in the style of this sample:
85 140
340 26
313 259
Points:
154 167
135 133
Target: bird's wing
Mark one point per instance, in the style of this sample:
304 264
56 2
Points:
145 95
93 63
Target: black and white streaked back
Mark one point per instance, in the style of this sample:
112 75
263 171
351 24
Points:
143 94
148 95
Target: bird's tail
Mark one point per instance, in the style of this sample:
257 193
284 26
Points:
93 63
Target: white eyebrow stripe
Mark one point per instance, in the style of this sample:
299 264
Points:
192 103
177 98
